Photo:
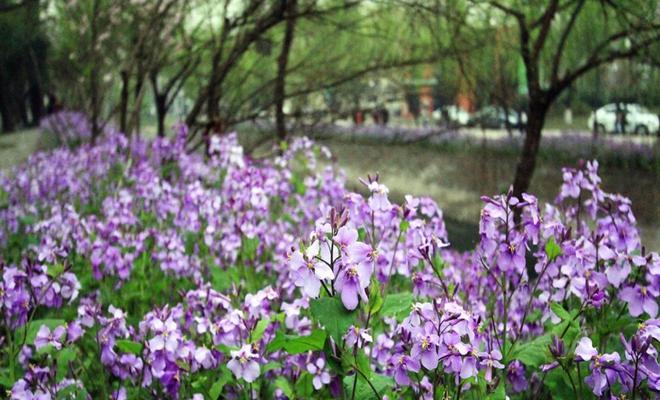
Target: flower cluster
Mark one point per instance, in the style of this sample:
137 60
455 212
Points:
133 269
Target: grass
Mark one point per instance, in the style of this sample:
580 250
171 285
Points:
556 122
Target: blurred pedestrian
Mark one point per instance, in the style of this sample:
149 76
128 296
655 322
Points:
619 122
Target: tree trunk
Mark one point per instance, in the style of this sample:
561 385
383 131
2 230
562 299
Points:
280 83
527 162
36 103
123 102
5 112
22 110
94 86
213 100
94 95
138 96
161 111
34 58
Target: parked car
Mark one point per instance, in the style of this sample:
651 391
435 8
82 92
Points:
452 115
496 118
637 119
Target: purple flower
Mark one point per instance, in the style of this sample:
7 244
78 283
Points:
403 364
45 337
321 375
515 374
243 364
351 282
425 348
640 299
381 351
603 366
585 350
356 336
617 274
167 335
309 271
345 237
378 200
512 257
73 331
490 361
204 358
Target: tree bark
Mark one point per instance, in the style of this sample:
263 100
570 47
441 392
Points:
161 112
123 102
5 112
527 162
94 84
35 59
282 61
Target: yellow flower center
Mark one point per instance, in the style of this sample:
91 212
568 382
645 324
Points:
512 247
644 291
425 344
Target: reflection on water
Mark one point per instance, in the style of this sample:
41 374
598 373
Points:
456 180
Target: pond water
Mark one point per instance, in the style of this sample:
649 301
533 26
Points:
457 179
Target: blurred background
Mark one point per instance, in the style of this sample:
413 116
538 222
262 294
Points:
447 98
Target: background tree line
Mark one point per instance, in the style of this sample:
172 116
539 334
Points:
231 61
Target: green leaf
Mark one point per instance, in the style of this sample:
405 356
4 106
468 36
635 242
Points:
216 388
249 247
190 239
259 330
304 385
375 299
297 344
404 225
363 363
271 366
64 356
561 388
72 391
552 249
55 270
283 383
534 352
499 392
5 379
535 316
129 346
222 279
363 391
331 313
298 185
559 311
397 305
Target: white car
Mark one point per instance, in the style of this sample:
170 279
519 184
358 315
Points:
638 119
455 115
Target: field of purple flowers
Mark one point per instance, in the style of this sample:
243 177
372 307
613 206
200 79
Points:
131 269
